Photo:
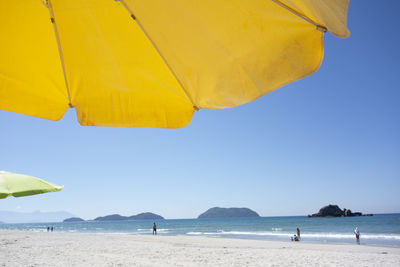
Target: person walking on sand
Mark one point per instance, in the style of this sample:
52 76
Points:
298 232
154 229
357 233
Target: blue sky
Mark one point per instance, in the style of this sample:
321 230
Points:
333 137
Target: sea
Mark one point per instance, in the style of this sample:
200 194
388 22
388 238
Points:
380 229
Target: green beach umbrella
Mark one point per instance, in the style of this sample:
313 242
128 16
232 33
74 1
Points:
19 185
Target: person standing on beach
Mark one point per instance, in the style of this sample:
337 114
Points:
357 233
298 232
154 229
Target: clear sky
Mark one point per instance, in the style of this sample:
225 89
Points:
333 137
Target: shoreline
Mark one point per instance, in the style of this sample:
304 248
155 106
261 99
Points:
316 242
29 248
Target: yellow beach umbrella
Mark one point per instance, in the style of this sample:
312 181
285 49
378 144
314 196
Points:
152 63
19 185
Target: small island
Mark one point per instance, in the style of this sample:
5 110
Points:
335 211
146 216
74 219
112 217
228 213
140 216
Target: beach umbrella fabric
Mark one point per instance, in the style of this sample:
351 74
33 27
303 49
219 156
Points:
152 63
19 185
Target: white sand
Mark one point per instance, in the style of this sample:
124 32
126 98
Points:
24 248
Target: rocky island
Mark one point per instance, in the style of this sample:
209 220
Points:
140 216
74 219
228 213
335 211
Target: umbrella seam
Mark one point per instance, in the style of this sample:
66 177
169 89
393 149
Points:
300 15
52 18
159 53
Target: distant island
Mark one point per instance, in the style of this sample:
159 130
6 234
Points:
140 216
74 219
335 211
228 213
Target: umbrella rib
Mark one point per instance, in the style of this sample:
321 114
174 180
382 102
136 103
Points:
49 6
300 15
159 53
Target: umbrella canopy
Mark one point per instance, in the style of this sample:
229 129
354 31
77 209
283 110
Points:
152 63
19 185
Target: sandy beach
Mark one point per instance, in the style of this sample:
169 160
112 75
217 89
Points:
25 248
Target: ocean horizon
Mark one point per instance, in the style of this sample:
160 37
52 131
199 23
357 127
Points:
380 229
